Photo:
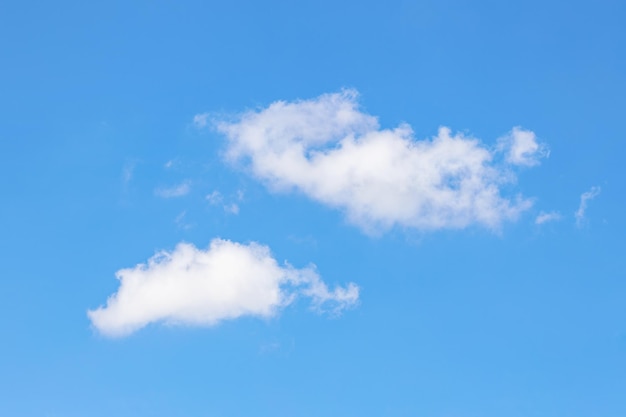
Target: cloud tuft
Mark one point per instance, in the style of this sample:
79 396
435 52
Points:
522 148
544 217
179 190
201 120
584 199
216 198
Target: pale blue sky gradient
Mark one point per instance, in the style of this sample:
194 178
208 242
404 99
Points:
97 97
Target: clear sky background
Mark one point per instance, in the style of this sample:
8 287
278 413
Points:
112 151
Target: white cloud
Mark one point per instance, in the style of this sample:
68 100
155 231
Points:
544 217
179 190
216 198
522 148
584 198
128 171
330 150
181 221
201 120
191 286
231 208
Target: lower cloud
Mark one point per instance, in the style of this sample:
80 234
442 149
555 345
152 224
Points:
191 286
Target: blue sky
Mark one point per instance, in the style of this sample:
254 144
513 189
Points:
292 232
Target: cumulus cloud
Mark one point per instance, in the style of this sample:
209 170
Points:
544 217
522 148
584 199
178 190
336 154
191 286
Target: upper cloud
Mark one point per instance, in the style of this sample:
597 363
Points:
336 154
191 286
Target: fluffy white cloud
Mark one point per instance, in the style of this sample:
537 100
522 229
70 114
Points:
330 150
179 190
191 286
544 217
582 208
522 148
